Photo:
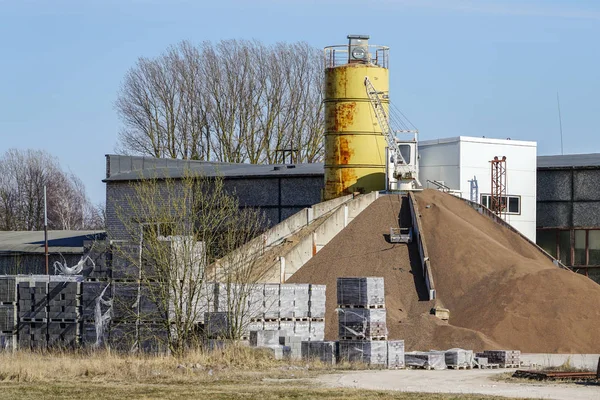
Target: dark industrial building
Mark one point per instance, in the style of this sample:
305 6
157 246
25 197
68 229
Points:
568 210
23 252
278 190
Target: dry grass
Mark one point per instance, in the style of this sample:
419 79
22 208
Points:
236 372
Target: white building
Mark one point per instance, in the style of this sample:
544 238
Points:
463 164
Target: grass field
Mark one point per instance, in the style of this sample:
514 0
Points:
236 373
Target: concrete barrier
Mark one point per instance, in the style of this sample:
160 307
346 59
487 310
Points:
419 237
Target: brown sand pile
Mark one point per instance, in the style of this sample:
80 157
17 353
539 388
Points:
496 283
362 250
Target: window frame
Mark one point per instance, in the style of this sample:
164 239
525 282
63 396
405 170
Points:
488 197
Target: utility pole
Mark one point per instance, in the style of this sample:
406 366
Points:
46 229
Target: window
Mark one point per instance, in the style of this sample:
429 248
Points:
405 152
546 239
585 245
579 247
594 247
564 247
155 230
514 203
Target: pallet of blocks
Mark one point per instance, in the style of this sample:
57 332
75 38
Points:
365 292
459 358
319 350
504 358
362 323
364 351
395 349
425 359
362 326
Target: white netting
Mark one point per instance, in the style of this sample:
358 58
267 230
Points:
102 319
64 269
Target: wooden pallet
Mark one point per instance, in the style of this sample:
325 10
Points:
370 306
459 366
364 339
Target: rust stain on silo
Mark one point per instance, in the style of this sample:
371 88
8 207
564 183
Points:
341 116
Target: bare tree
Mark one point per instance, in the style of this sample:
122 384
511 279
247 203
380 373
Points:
23 175
178 228
233 101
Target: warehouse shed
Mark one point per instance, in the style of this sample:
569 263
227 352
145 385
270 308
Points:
23 252
568 212
279 190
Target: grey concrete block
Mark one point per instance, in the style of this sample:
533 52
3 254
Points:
217 324
554 185
265 338
286 300
586 185
302 329
8 289
301 300
8 318
428 360
586 214
553 215
324 351
395 354
317 301
271 301
317 330
368 352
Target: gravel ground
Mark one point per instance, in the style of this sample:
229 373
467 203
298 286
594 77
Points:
473 381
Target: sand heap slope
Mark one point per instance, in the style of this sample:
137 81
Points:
497 283
361 249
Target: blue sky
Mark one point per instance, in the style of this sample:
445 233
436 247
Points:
475 68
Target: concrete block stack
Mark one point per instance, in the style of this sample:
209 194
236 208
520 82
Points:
395 350
265 338
101 256
91 292
425 359
63 313
32 328
362 323
362 320
217 325
286 301
505 358
459 358
292 347
271 302
372 352
8 312
296 308
365 291
324 351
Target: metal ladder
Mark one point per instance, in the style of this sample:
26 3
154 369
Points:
382 119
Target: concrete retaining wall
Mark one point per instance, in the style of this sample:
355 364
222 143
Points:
309 245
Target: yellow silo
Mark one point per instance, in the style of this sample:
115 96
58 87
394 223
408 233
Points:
354 144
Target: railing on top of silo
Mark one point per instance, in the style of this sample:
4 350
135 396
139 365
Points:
336 55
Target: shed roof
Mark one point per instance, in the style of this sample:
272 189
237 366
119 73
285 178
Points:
58 241
126 168
591 160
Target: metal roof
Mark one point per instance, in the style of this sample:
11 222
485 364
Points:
58 241
591 160
126 168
